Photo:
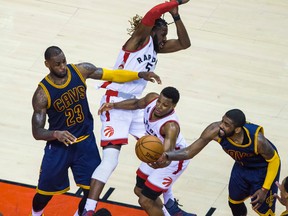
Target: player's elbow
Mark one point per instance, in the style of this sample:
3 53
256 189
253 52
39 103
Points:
186 45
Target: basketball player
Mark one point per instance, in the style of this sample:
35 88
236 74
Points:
160 120
256 167
139 53
283 198
70 140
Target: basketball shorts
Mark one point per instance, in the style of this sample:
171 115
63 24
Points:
161 179
118 124
245 182
82 158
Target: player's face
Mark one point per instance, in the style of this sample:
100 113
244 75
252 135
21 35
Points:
283 193
164 106
160 38
57 65
227 128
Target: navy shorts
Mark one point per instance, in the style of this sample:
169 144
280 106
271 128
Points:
82 158
244 182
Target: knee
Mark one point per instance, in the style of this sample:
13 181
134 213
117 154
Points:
145 202
238 209
105 169
137 191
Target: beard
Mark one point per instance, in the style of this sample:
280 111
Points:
225 134
59 75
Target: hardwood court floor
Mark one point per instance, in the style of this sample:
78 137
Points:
238 59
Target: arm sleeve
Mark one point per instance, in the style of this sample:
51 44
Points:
272 171
119 75
157 11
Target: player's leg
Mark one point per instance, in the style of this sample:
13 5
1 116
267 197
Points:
39 203
53 178
114 134
148 198
238 190
86 160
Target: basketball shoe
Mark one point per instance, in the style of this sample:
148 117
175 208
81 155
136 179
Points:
174 210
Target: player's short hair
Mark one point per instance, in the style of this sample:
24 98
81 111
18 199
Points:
286 184
102 212
159 23
51 52
171 93
237 116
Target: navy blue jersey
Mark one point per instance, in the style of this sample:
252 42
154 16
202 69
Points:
67 104
246 154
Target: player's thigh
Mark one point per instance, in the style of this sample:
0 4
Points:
165 177
137 127
239 187
117 125
54 169
86 160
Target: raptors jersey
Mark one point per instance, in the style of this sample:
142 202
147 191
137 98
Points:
141 60
153 127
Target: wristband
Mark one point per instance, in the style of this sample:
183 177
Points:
176 18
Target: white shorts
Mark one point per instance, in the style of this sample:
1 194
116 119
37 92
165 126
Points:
118 124
162 179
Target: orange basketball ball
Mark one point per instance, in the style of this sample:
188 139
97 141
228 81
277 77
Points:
149 148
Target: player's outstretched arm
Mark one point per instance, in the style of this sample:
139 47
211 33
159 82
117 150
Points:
130 104
89 70
209 134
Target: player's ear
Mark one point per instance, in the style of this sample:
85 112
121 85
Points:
46 64
238 129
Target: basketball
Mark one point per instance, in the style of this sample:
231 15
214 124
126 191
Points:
149 148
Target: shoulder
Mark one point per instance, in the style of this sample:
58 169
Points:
151 97
39 98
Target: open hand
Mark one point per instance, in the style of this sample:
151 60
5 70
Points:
150 76
258 198
105 107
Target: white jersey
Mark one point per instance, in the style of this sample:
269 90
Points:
141 60
153 127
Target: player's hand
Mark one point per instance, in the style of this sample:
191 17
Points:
105 107
150 76
282 200
183 1
157 165
174 11
65 136
163 159
258 198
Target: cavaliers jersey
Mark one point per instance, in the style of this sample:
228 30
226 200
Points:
153 127
67 104
246 154
141 60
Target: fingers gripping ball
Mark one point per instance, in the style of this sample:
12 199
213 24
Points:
149 148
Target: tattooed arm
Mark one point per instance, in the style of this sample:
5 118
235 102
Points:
89 70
